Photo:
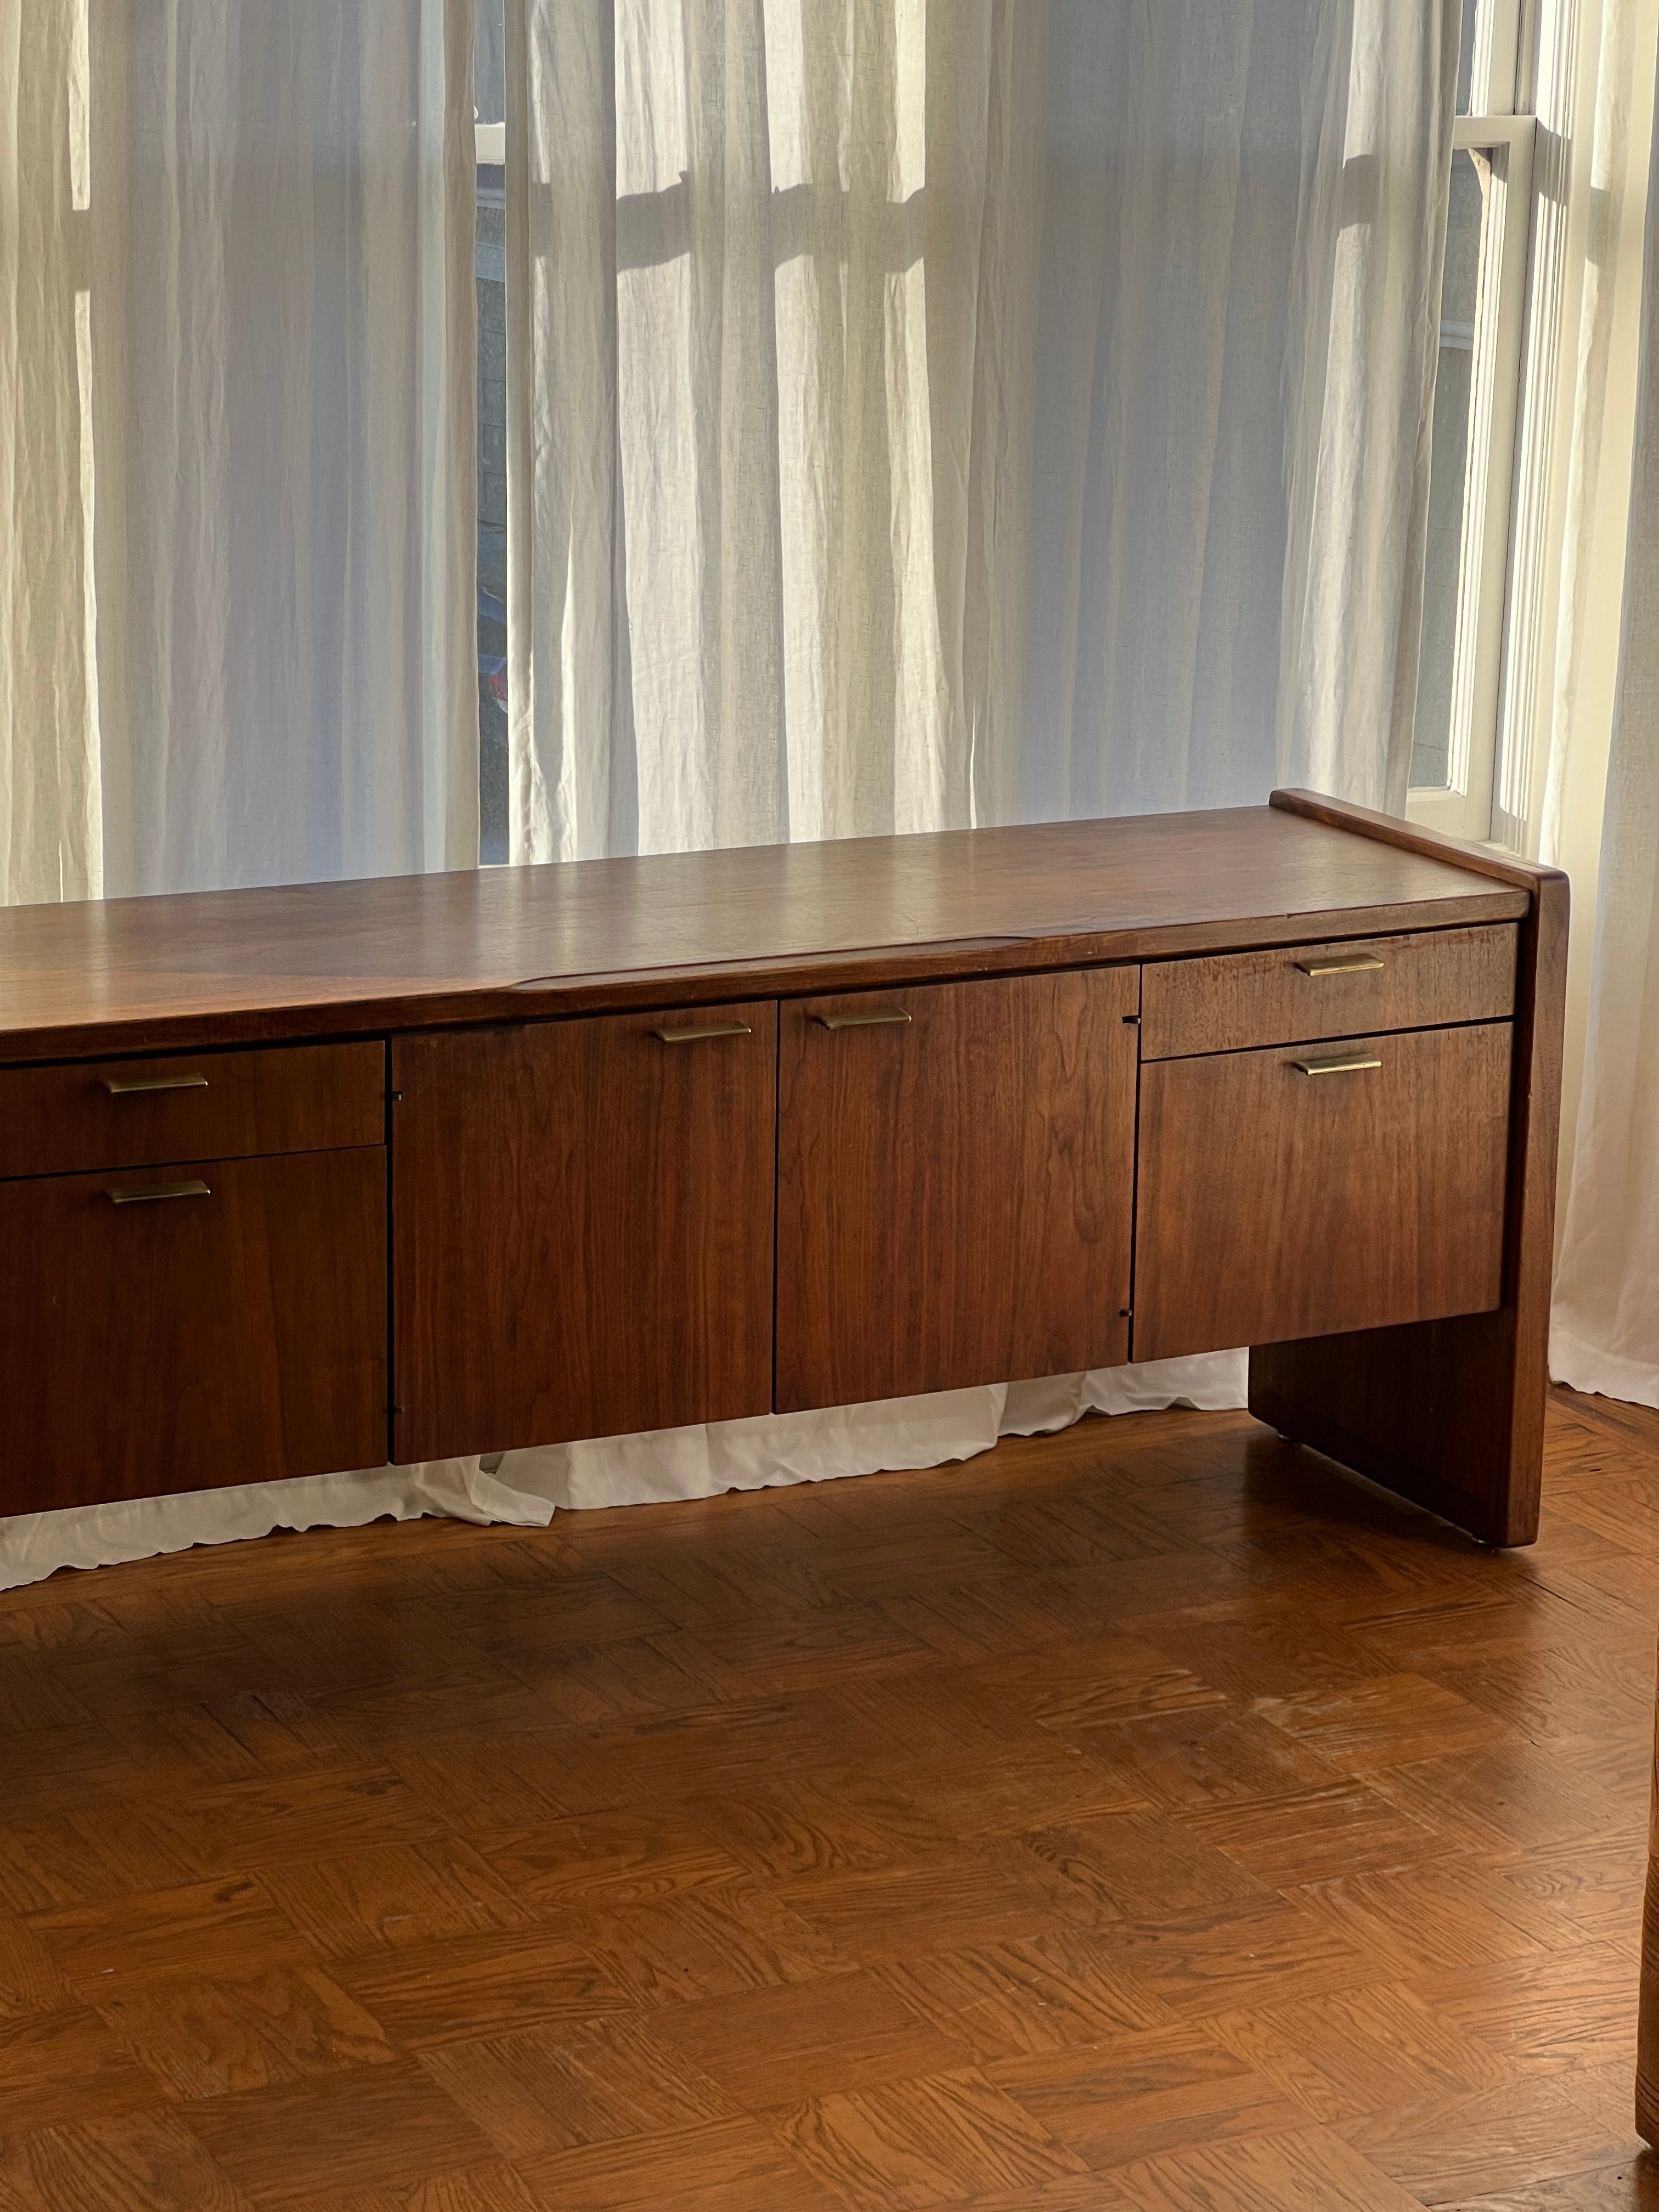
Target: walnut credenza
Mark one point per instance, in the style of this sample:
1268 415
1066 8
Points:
303 1179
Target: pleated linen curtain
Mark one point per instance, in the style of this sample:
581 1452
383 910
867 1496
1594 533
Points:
1604 1332
237 444
947 413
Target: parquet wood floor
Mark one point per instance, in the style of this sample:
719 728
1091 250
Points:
1144 1817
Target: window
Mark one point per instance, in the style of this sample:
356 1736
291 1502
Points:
489 265
1459 776
1476 404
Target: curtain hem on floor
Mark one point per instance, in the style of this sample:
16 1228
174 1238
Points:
1583 1365
524 1489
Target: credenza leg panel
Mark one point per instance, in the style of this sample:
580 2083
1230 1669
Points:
1647 2022
1428 1409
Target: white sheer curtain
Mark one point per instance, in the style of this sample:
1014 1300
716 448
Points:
951 413
1605 1331
237 451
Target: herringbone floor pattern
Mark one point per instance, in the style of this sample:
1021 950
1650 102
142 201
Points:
1142 1817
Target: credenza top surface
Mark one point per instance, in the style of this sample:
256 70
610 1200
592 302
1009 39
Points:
498 944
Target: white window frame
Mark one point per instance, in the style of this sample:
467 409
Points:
1462 807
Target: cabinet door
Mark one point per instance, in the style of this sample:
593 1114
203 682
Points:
1277 1203
955 1184
188 1327
582 1220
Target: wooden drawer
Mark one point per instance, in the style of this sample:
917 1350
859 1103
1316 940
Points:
584 1227
230 1333
190 1106
956 1179
1276 1204
1296 993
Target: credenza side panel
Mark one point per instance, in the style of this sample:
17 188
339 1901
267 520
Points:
583 1228
955 1189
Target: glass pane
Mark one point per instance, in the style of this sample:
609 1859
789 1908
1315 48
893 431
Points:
489 266
1466 56
1448 471
490 61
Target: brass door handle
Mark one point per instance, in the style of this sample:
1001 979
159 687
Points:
875 1020
117 1087
1360 963
1350 1067
709 1030
135 1194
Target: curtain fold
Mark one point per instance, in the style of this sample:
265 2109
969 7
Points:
51 801
1605 1327
237 445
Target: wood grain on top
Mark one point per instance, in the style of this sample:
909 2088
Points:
498 944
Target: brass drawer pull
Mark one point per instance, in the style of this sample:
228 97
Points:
711 1029
876 1020
1351 1066
1359 964
135 1194
118 1087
